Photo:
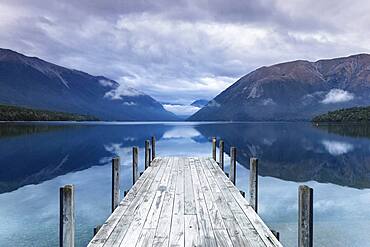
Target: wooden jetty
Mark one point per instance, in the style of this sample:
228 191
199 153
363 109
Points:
184 201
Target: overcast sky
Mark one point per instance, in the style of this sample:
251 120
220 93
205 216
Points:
179 51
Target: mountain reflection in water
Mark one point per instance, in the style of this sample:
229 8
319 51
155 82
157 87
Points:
32 153
299 152
36 159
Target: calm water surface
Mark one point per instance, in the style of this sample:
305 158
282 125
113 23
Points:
37 159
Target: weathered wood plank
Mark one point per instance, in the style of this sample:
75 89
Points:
206 235
189 192
184 202
127 216
213 210
146 237
263 231
141 210
114 221
177 225
156 207
162 235
191 231
222 238
235 232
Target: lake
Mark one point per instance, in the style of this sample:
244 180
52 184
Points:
36 159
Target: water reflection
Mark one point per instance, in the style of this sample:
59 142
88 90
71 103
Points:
353 130
337 148
36 160
31 154
298 152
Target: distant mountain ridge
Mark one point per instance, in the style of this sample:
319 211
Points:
296 90
200 103
32 82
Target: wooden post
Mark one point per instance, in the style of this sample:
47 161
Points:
221 161
232 174
253 183
66 217
96 229
214 140
134 164
147 154
243 193
116 167
153 147
305 216
276 233
150 158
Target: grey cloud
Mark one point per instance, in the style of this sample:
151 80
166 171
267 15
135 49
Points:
179 51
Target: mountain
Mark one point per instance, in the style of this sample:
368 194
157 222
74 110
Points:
32 82
200 103
295 90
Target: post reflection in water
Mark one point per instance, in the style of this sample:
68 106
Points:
36 159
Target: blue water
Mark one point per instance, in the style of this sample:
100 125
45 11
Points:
37 159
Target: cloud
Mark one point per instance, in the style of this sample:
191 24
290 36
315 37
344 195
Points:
181 132
122 91
337 96
181 110
179 51
130 103
106 83
268 101
213 103
337 148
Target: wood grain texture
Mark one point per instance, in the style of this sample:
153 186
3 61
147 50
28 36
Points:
116 168
184 201
135 164
221 157
232 174
147 154
214 141
153 148
67 217
253 183
305 216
